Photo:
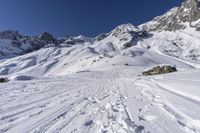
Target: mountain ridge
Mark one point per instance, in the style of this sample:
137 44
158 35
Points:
187 16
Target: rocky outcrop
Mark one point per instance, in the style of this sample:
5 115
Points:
3 80
71 41
159 70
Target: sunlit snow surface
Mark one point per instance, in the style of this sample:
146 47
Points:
102 101
79 90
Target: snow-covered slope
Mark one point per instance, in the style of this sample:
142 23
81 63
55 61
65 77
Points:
176 33
65 60
79 89
182 44
111 99
94 85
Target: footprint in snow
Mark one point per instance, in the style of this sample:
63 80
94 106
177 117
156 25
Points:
88 123
93 100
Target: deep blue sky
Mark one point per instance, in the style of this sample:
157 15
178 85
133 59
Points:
74 17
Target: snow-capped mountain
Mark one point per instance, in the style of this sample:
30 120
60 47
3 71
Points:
170 34
176 33
178 18
122 37
78 53
12 43
95 85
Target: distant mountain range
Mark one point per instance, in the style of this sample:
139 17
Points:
176 33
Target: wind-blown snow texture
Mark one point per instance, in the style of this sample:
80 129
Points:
94 85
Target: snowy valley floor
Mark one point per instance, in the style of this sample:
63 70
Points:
102 101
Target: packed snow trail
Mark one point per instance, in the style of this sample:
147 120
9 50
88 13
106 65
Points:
91 102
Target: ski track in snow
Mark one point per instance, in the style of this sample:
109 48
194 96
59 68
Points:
97 103
152 87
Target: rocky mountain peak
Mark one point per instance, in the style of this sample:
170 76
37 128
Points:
123 29
122 37
13 43
10 34
177 18
190 4
189 11
49 38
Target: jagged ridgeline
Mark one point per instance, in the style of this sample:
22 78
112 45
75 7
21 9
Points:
13 43
188 14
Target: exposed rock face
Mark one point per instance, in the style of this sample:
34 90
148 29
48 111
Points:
9 34
129 35
177 18
70 41
122 37
2 80
49 38
159 70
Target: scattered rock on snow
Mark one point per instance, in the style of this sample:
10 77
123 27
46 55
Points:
159 70
3 80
